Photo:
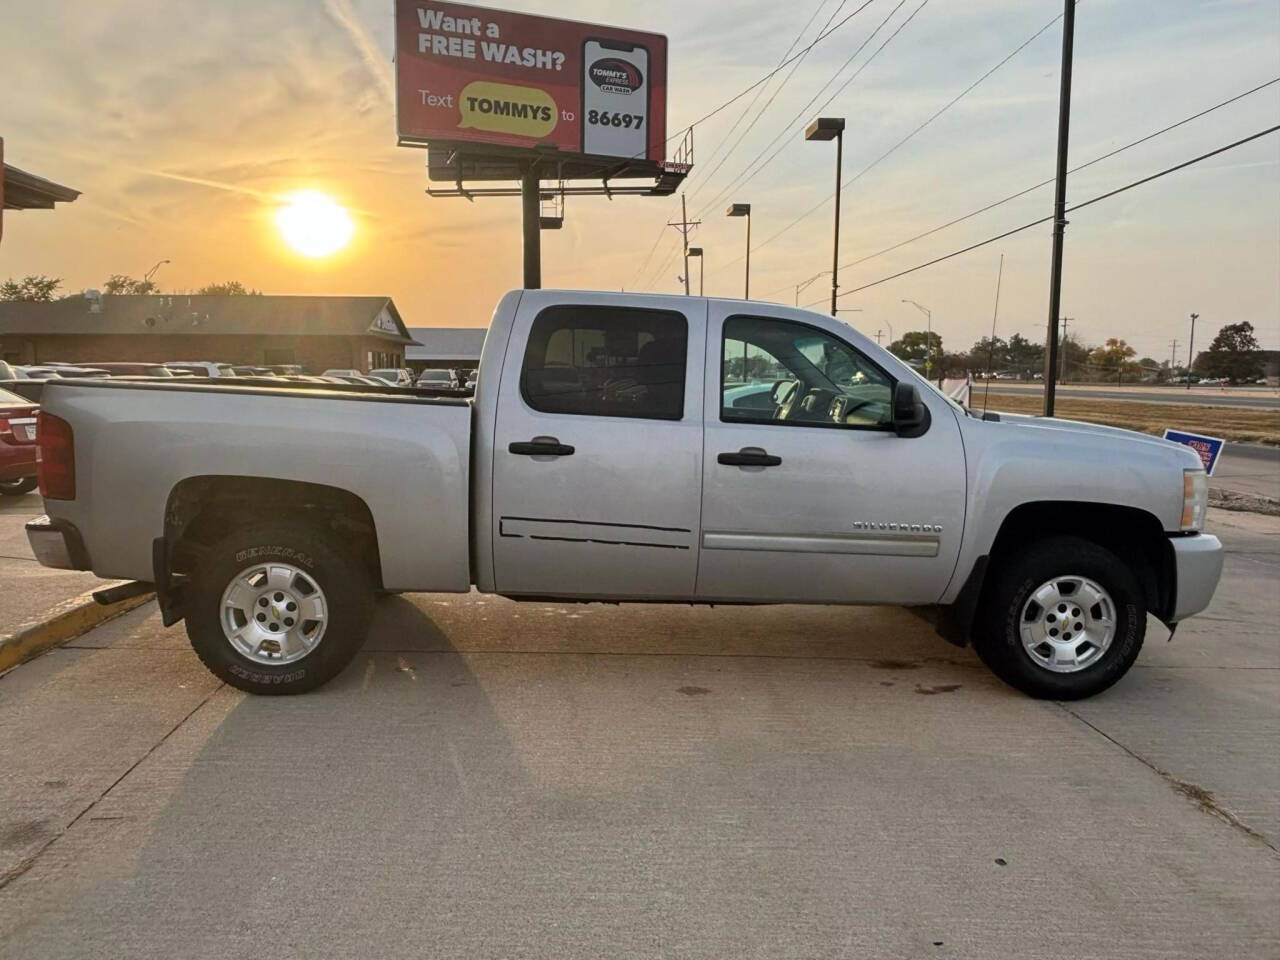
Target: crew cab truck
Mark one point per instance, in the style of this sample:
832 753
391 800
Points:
626 448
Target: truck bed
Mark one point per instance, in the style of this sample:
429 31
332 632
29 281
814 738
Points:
406 455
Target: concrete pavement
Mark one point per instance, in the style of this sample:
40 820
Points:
1248 469
28 590
491 779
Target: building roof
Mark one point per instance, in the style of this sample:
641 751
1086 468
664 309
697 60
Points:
190 314
446 343
26 191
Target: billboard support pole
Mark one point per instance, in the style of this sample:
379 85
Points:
531 208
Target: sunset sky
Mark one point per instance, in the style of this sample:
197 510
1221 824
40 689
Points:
184 123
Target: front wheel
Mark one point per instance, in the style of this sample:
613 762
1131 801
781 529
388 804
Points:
1064 618
16 488
278 609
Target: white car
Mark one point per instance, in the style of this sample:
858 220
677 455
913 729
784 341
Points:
439 378
395 376
202 368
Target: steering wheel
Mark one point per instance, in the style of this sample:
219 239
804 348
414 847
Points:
787 401
816 404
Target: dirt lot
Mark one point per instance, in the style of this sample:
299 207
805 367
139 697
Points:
1235 424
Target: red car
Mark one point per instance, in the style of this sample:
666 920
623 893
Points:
17 444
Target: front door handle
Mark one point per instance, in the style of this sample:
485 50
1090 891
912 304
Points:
541 447
749 457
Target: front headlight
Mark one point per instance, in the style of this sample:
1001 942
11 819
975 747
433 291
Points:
1195 499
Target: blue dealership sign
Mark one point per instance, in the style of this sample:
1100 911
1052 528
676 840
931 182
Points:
1207 447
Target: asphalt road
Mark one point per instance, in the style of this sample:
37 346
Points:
490 779
1209 396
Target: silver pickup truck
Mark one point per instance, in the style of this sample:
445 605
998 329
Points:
626 447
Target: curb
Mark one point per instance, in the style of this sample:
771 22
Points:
64 622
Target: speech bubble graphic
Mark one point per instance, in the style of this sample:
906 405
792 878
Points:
506 108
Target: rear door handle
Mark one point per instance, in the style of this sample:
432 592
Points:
541 447
749 457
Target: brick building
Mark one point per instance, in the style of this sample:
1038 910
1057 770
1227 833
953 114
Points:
319 333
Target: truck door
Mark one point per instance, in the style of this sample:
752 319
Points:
808 494
597 475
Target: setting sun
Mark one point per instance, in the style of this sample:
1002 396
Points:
314 224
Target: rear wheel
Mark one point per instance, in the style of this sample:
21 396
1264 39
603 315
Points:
1064 618
16 488
278 610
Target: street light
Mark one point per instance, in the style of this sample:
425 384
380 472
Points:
928 342
697 252
831 128
146 277
744 210
804 284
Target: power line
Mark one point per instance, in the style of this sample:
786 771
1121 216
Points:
742 93
1042 183
683 131
786 128
772 97
1071 209
857 176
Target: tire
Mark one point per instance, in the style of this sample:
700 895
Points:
1005 639
16 488
298 561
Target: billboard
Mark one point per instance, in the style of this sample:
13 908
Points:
474 75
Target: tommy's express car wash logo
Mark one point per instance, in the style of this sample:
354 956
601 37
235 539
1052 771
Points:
615 76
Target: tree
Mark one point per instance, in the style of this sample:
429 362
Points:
32 288
1233 354
231 288
1115 359
913 346
1073 357
118 283
1025 357
989 355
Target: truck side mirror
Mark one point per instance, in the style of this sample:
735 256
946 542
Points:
910 415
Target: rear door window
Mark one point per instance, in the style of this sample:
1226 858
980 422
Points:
606 362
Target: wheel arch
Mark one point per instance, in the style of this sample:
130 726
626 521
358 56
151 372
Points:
202 509
1133 534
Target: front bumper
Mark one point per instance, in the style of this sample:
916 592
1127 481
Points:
57 543
1197 563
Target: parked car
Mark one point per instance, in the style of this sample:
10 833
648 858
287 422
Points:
439 378
395 376
360 379
60 371
17 444
345 372
600 462
201 368
285 369
116 369
247 371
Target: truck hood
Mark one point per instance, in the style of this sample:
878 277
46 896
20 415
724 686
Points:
1068 431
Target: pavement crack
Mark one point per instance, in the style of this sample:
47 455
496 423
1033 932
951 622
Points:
18 869
1203 798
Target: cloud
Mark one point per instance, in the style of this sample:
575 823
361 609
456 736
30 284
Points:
379 69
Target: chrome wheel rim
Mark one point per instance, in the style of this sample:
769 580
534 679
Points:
274 613
1067 624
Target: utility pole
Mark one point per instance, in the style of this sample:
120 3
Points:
1173 355
878 332
531 221
1059 204
683 224
1191 346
